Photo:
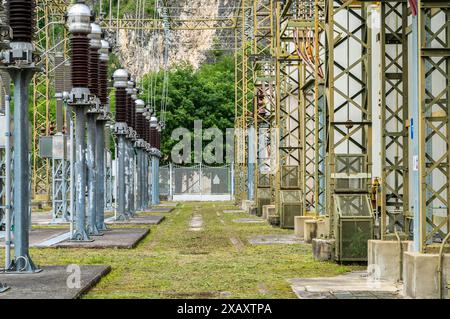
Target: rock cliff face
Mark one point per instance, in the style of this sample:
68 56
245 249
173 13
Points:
191 46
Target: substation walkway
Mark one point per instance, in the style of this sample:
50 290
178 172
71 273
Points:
200 251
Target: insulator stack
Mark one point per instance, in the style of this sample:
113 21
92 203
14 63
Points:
147 127
128 109
103 86
141 125
59 73
158 139
133 113
80 61
67 77
139 116
121 105
93 71
21 17
95 45
103 72
79 23
153 132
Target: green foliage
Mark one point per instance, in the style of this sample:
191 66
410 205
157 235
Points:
205 94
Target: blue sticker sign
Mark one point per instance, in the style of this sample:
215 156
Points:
412 128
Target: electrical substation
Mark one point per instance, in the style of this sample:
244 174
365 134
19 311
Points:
337 170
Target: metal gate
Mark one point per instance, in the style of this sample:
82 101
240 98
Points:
197 183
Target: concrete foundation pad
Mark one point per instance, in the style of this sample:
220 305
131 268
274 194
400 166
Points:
420 275
274 240
159 210
172 205
323 249
383 258
39 235
138 220
249 221
126 238
51 283
233 211
345 284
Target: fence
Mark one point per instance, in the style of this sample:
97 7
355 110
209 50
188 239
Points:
197 183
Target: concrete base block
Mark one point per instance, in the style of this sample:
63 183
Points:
420 276
268 210
323 228
247 204
299 225
310 231
383 258
323 249
274 220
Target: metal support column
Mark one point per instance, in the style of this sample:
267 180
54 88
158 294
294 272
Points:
92 173
22 260
100 182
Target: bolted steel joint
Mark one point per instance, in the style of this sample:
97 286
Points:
120 129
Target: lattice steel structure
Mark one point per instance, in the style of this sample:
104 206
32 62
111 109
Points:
263 62
124 23
348 98
394 118
288 177
50 20
434 131
243 97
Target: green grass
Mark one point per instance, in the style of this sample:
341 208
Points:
174 262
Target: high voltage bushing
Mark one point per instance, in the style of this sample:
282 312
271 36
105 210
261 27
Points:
130 110
131 149
153 131
18 59
103 73
140 147
120 78
95 45
120 84
100 133
140 121
79 24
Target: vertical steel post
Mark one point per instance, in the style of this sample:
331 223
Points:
170 181
80 233
22 260
127 168
155 181
100 182
121 176
251 163
8 183
415 89
92 173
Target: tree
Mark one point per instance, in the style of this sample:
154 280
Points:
205 94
